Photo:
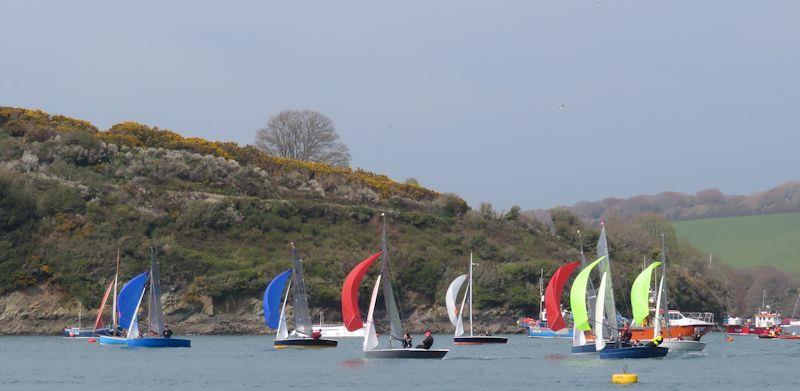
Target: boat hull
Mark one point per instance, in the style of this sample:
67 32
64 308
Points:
684 346
591 348
305 343
79 333
159 343
479 340
543 332
634 352
673 332
109 340
436 354
783 336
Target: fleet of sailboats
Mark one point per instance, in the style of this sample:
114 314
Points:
595 322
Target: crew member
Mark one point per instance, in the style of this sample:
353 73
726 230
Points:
427 342
407 341
625 335
167 332
316 334
656 341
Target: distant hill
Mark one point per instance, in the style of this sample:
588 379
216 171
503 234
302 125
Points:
748 241
708 203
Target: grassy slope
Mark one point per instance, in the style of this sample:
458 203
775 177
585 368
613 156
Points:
747 241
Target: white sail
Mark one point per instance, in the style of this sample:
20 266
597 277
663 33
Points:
450 299
460 324
599 338
605 267
578 337
283 331
133 328
657 325
370 337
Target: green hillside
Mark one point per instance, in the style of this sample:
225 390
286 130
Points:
746 241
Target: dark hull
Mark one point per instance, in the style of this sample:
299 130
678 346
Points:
159 343
479 340
590 348
634 352
305 343
437 354
85 333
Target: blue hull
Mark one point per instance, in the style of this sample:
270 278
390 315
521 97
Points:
159 343
108 340
634 352
536 332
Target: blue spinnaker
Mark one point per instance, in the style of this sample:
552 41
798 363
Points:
272 299
128 299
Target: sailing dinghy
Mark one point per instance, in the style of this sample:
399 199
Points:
302 336
352 316
640 293
126 304
155 318
456 314
578 295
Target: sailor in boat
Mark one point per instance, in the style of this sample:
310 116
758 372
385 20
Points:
407 341
167 332
656 341
427 342
317 334
625 335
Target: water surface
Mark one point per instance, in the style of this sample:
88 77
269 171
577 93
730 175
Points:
249 363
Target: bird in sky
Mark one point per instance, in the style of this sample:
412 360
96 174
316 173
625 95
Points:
563 107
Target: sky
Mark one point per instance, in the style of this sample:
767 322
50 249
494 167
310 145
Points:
464 96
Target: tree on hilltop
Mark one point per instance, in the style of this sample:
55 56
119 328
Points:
303 135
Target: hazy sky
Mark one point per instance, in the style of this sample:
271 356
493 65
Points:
465 96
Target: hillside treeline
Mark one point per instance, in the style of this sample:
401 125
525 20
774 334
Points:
222 216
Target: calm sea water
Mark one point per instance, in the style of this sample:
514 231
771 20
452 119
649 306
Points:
250 362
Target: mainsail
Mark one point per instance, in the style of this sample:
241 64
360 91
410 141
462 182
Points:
640 294
577 297
605 267
129 298
599 338
450 299
302 315
156 313
370 336
102 306
552 295
272 299
351 316
396 325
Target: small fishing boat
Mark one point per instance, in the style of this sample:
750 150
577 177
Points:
352 316
78 332
303 336
456 314
156 336
336 330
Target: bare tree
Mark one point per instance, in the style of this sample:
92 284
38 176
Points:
303 135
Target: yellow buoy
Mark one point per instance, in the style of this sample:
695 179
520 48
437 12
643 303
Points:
624 377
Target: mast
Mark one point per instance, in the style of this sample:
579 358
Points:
114 299
80 308
611 323
396 325
541 294
590 291
664 284
302 315
155 315
470 294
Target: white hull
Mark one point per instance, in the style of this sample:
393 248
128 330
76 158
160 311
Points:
684 346
339 331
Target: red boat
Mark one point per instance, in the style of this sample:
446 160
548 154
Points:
762 322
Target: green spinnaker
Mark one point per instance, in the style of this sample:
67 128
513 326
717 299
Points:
640 294
577 296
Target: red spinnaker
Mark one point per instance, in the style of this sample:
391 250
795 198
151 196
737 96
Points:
102 305
552 296
350 313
